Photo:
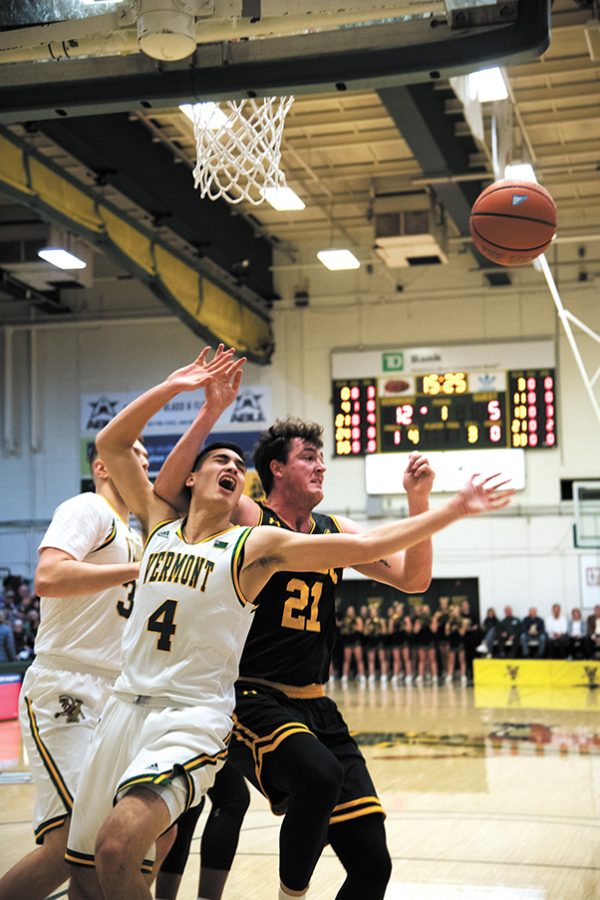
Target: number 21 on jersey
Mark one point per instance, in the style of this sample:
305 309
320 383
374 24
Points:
301 609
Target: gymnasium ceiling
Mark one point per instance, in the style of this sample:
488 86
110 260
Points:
374 116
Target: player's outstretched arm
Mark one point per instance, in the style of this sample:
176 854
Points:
407 570
59 574
115 441
219 392
268 550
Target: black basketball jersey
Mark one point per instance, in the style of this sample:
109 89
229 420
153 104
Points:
292 636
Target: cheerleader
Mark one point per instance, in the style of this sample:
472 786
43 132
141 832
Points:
351 628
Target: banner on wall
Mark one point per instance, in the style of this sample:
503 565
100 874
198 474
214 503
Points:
241 423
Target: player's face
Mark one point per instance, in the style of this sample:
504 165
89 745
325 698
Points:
142 454
220 477
304 470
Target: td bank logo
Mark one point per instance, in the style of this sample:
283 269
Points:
392 362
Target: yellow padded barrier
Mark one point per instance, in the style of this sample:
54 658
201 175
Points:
542 673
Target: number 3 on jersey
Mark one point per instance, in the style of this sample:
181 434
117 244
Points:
162 621
297 613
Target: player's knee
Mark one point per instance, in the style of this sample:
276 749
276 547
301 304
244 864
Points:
236 805
112 853
373 868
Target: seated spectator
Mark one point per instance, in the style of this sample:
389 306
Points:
556 629
576 632
7 641
489 630
507 634
533 634
593 633
23 643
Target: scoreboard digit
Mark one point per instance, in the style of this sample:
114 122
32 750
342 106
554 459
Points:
355 416
532 408
440 421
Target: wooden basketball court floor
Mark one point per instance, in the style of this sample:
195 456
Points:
484 802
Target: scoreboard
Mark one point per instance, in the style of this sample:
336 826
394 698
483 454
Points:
490 401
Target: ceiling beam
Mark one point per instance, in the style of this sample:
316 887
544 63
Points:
145 172
356 58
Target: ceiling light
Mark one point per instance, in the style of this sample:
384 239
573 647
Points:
209 114
282 198
520 171
338 259
61 258
490 85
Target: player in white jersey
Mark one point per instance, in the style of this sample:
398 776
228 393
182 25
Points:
165 732
88 563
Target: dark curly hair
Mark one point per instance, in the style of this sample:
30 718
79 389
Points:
274 443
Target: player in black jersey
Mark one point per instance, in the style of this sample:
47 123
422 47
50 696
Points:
291 740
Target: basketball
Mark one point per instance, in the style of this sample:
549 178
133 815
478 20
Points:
512 222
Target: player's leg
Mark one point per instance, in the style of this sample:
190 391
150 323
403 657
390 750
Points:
58 712
230 799
124 840
40 872
172 868
361 847
306 771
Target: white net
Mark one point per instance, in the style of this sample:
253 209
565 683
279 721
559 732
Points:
238 147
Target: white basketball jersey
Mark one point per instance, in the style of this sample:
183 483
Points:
189 624
87 630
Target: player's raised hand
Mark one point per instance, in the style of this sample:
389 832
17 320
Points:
200 371
222 387
483 496
418 476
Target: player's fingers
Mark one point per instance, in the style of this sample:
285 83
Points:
201 359
222 361
491 478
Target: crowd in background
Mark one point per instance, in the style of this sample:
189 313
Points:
405 643
19 619
411 643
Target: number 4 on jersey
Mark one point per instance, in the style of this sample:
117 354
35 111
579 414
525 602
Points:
162 621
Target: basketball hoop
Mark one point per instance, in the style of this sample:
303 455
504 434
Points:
238 146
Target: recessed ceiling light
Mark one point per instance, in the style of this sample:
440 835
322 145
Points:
209 114
61 258
489 85
335 259
283 198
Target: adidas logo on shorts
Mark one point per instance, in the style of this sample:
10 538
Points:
153 767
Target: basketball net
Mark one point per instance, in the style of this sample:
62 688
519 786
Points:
238 148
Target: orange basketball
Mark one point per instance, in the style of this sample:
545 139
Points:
512 222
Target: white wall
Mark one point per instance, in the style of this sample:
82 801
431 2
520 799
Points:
525 558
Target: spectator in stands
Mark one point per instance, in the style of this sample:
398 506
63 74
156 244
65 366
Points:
507 634
576 632
19 636
533 634
593 633
490 623
556 629
7 641
9 607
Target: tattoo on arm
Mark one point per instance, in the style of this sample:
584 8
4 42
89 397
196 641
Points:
385 563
